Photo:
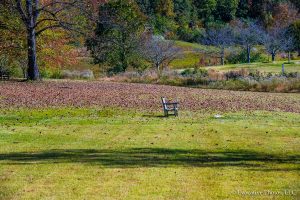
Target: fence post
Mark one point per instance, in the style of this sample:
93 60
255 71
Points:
282 68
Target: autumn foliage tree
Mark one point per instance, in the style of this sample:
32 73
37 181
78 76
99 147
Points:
38 16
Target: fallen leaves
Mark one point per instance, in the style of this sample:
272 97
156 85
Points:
139 96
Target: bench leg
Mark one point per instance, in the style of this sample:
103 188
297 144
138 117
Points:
166 113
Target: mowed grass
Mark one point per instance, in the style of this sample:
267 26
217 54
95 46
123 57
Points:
192 53
275 67
187 60
76 153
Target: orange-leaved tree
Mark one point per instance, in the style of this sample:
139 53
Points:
39 16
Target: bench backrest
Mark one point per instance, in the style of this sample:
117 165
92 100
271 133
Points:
164 102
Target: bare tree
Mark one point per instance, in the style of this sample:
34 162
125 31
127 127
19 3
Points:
274 40
288 45
248 35
159 52
39 17
221 38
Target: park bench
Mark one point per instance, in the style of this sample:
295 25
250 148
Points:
4 75
169 107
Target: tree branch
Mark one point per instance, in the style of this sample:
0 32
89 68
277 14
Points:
43 20
21 12
46 28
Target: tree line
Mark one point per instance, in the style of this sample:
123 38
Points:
121 33
125 36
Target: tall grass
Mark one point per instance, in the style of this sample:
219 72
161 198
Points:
232 80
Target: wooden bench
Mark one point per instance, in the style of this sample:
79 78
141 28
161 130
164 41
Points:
169 107
4 76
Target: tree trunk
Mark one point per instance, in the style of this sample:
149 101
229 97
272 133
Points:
248 54
223 56
289 56
158 69
273 56
33 71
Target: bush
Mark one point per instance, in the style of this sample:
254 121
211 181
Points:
196 72
56 74
4 69
236 74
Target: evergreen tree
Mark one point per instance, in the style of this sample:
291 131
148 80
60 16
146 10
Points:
243 9
226 10
183 11
205 9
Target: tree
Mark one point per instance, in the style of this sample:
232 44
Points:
262 10
12 32
205 9
247 35
295 32
296 3
165 8
221 38
288 45
39 16
159 52
284 14
226 10
116 37
243 9
274 40
146 6
183 11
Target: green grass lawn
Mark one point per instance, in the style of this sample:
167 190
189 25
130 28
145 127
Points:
187 60
192 54
275 67
98 153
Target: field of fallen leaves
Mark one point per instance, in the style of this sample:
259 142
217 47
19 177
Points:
139 96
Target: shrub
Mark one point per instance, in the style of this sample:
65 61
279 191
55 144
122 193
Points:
236 74
214 75
56 74
196 72
4 69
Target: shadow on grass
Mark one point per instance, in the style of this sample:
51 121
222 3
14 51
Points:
154 157
154 116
